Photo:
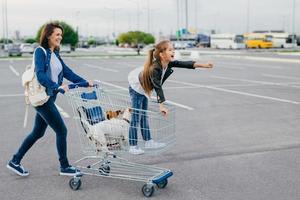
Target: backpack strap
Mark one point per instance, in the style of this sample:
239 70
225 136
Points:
33 58
26 85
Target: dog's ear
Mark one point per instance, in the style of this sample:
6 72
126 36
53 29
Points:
130 110
108 114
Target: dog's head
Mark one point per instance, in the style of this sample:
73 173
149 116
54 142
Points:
127 114
112 114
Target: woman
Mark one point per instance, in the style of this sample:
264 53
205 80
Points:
50 71
157 68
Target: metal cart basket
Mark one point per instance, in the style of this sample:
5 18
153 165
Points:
103 119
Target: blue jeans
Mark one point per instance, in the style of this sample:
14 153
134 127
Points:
138 117
47 114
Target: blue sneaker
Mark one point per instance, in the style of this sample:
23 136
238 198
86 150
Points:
69 171
17 168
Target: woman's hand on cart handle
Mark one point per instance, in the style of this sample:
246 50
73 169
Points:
163 110
63 88
80 84
91 83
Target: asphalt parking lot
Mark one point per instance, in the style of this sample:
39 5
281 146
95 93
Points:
237 132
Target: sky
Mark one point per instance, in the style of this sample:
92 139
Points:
105 17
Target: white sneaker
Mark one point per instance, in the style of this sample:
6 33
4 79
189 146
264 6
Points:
135 150
150 144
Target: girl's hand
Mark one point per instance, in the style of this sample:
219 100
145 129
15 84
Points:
209 65
91 83
204 65
163 110
64 87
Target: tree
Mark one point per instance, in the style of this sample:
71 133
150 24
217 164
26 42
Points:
70 36
136 37
5 40
30 40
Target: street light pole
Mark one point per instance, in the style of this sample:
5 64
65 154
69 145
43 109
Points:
3 21
186 15
294 14
138 15
148 16
248 17
138 12
196 16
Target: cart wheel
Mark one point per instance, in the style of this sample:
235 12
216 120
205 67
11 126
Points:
104 170
162 184
75 184
147 190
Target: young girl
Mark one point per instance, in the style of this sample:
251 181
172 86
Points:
157 68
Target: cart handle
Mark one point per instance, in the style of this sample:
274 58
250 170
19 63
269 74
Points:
77 85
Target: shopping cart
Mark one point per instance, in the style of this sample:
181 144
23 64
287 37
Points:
103 123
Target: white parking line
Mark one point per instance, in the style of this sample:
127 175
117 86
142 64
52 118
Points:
101 68
280 76
14 70
11 95
242 64
238 92
220 85
126 89
252 81
278 60
62 112
180 87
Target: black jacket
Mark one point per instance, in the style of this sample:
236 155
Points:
156 80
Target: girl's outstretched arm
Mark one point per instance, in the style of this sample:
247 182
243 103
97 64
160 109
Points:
203 65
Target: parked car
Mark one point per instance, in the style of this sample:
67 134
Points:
14 49
66 48
27 48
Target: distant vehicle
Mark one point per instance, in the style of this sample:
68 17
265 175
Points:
227 41
179 45
27 48
14 49
298 40
258 40
284 40
184 42
66 48
281 39
203 40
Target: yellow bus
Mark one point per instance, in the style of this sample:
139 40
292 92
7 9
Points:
258 40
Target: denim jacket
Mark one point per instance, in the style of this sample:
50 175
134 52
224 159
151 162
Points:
157 80
43 71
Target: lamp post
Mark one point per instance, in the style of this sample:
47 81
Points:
178 26
137 2
114 19
248 16
148 16
5 21
77 21
186 15
294 14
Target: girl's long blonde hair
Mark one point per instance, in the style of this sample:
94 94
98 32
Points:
148 66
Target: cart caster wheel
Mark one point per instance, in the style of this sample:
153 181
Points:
104 170
162 184
75 184
148 190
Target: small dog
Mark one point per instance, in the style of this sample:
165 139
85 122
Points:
112 133
113 114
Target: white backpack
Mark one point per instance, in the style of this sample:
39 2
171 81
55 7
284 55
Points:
35 93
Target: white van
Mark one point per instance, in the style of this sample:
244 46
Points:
227 41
